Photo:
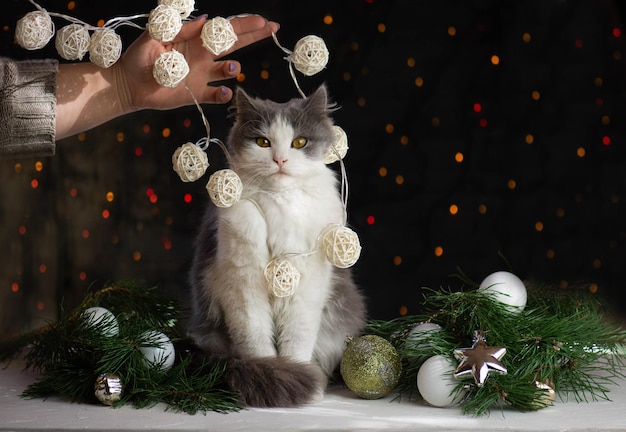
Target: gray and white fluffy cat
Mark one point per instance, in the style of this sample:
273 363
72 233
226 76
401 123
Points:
279 351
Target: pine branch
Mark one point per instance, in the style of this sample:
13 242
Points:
561 339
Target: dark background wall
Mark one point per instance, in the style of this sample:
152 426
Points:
484 135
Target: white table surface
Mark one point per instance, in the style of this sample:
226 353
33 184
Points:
340 410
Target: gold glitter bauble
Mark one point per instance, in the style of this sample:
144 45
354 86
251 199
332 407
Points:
370 366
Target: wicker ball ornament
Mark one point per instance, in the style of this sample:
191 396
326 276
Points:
190 162
72 42
184 7
170 68
34 30
164 23
105 47
339 148
341 245
218 35
282 277
310 55
224 188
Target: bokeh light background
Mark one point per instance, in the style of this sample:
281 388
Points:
484 135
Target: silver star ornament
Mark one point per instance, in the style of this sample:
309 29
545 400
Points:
479 360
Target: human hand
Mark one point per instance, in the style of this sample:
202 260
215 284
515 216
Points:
137 88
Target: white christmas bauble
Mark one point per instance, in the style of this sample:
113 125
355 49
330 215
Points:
170 68
419 336
507 289
436 382
310 55
164 23
72 42
341 245
218 35
158 350
184 7
102 318
224 188
339 148
105 47
34 30
190 162
282 277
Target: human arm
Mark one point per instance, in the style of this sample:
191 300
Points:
88 95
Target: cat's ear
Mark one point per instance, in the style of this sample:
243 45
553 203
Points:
318 101
241 102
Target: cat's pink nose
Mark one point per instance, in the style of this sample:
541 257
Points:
280 162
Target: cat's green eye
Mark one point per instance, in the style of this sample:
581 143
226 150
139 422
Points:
299 142
263 142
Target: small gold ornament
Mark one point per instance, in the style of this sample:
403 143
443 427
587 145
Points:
34 30
479 360
108 388
282 277
218 35
370 366
547 395
190 162
224 188
341 245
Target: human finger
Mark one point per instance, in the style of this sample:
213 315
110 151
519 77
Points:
251 29
190 29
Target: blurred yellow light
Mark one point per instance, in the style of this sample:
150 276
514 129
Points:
438 251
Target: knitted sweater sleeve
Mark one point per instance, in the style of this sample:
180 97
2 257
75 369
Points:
27 107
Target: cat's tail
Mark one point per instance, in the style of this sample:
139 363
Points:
274 381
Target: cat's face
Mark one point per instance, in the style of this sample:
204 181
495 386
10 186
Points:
273 144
